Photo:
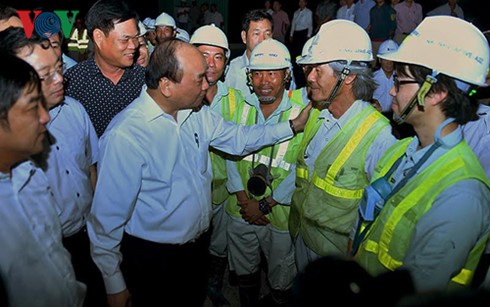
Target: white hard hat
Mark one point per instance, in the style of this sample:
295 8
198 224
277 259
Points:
211 35
149 23
165 19
142 28
387 46
306 48
269 54
339 39
182 35
447 45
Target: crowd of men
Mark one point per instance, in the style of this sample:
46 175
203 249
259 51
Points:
138 176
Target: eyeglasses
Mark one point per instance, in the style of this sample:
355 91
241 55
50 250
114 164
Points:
398 83
50 77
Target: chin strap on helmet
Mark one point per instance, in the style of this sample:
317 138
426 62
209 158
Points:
340 80
417 99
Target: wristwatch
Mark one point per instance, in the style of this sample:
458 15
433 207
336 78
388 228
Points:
265 206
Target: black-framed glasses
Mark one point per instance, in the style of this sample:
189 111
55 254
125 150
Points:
398 83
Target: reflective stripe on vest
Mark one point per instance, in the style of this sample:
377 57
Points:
278 161
219 192
390 235
232 101
76 43
327 184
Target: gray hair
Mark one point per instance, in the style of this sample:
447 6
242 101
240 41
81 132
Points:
364 84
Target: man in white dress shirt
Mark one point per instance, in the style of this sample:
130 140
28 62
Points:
34 266
69 157
152 202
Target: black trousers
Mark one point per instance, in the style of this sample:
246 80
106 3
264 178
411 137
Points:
165 274
85 269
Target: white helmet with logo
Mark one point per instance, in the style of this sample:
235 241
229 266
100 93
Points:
269 54
447 45
182 34
211 35
387 46
337 40
142 28
149 23
165 19
306 48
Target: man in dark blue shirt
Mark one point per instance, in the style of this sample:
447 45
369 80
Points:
107 82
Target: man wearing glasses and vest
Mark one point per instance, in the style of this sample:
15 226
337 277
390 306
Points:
431 213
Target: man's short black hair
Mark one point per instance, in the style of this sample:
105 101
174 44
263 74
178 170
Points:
255 15
104 14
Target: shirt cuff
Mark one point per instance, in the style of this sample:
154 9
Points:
115 283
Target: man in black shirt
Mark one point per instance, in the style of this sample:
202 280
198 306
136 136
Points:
107 82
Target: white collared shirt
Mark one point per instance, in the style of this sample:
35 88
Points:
155 177
34 265
73 149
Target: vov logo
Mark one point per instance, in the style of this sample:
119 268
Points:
51 21
47 24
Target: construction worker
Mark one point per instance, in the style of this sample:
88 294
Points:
431 192
79 39
165 27
343 140
151 35
213 44
264 181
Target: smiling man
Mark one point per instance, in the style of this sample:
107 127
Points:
106 83
258 222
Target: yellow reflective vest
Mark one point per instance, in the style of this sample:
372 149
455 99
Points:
284 157
324 205
219 193
386 243
78 42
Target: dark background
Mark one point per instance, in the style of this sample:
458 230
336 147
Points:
473 9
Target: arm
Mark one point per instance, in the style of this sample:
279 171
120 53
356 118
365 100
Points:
310 24
241 140
381 143
234 183
121 299
93 175
444 236
115 196
293 25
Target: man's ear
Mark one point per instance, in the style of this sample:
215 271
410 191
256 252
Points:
350 79
165 86
99 37
244 37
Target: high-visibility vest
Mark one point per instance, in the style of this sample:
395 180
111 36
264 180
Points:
219 193
77 43
386 242
283 158
324 204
